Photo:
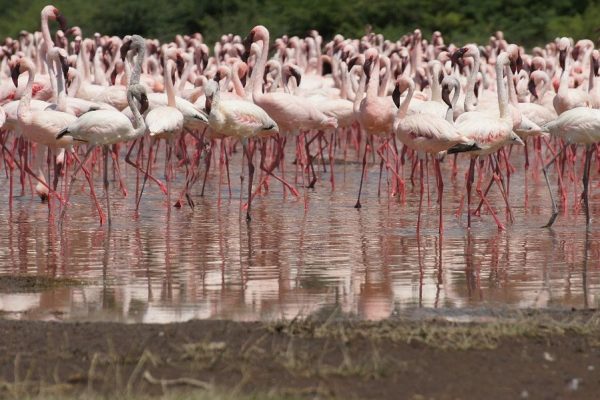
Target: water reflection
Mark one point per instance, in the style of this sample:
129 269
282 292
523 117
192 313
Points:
208 263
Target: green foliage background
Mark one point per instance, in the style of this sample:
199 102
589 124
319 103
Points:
529 22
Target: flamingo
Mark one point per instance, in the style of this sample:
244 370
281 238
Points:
490 133
240 119
104 128
164 122
579 125
567 98
39 126
428 134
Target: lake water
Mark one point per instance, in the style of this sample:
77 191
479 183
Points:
298 255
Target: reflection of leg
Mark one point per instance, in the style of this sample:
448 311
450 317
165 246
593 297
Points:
106 192
586 181
422 187
554 206
470 179
249 154
440 183
88 177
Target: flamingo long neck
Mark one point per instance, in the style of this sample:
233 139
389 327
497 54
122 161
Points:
99 76
343 80
259 69
61 99
403 110
139 128
501 89
512 90
373 86
46 32
185 74
85 58
591 75
237 83
386 77
75 84
25 103
436 88
454 102
139 61
470 92
168 73
360 93
563 87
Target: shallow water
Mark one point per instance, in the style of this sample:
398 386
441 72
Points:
296 259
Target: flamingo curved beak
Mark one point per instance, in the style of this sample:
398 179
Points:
62 21
124 49
531 87
14 74
143 103
396 95
457 55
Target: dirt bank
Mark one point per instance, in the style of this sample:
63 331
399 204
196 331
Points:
537 355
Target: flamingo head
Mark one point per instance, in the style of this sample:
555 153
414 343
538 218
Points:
563 47
514 55
532 89
403 83
595 62
60 18
371 56
291 70
257 33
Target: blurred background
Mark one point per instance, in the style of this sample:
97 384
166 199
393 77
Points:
527 22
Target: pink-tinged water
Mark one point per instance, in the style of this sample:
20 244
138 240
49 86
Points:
290 261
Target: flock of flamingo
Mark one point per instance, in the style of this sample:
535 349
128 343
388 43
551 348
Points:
407 102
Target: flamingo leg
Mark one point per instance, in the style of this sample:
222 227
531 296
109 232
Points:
422 191
586 179
362 175
150 154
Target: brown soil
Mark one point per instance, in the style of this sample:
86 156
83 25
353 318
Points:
537 356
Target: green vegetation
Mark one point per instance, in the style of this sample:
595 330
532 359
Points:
532 22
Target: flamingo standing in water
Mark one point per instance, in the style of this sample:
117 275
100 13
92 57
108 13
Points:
239 119
164 122
39 126
580 125
375 114
291 113
429 134
490 133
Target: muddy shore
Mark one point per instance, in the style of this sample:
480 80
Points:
541 355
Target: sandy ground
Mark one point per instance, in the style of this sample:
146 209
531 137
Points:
538 355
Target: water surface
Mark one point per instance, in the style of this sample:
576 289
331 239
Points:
299 255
